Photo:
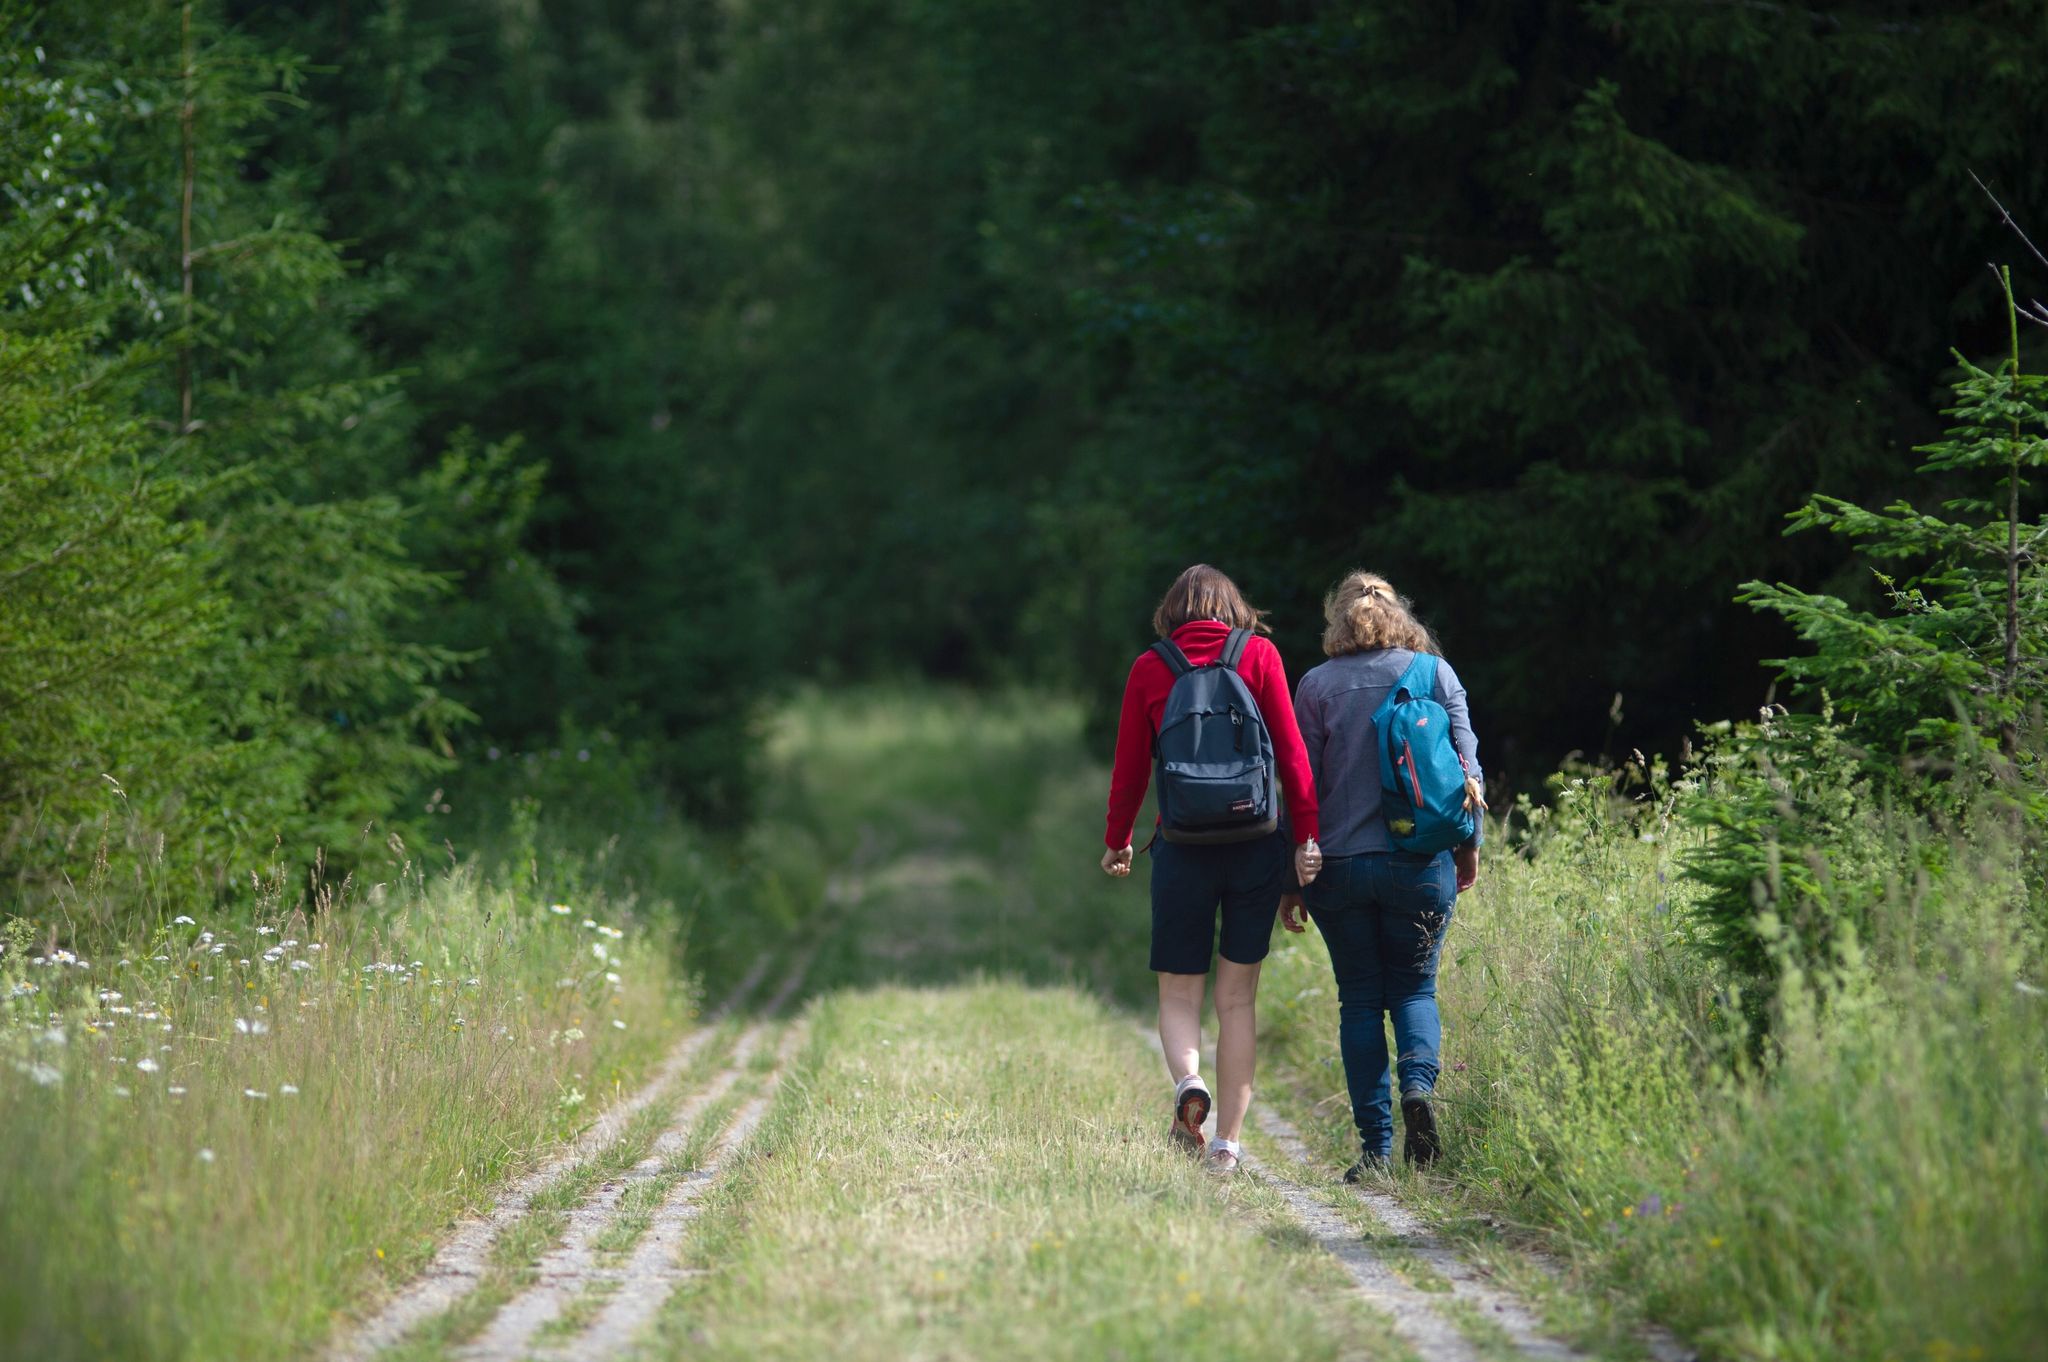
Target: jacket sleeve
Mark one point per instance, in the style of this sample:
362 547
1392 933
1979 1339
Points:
1315 728
1133 769
1297 780
1450 693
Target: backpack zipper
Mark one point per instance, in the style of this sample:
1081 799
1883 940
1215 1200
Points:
1414 781
1237 727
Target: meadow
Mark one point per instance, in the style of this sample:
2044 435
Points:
218 1130
224 1136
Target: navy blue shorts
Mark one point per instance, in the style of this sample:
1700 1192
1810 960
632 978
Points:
1189 885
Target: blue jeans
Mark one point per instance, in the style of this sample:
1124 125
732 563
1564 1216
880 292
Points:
1383 916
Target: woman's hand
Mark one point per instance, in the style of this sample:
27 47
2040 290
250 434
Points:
1466 859
1291 913
1308 862
1117 863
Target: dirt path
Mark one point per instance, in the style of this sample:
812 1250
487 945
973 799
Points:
1417 1314
1425 1309
573 1266
1469 1282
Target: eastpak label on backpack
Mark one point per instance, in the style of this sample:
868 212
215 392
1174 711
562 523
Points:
1213 754
1422 777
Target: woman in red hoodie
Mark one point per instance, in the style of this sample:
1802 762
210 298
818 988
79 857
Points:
1192 882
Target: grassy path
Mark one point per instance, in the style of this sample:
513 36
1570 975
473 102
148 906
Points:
959 1150
980 1170
475 1281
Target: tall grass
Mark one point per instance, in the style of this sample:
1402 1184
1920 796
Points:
217 1133
1867 1182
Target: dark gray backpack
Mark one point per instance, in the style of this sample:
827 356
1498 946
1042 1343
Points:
1214 757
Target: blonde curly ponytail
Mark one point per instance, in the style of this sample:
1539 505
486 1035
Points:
1363 612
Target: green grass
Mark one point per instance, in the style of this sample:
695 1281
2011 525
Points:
914 1193
967 1158
152 1210
1871 1190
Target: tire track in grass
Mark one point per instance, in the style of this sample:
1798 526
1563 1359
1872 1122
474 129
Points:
572 1266
650 1274
1469 1282
1417 1321
466 1254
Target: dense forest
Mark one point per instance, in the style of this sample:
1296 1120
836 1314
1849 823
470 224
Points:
386 388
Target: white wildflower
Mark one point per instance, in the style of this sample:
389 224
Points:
181 920
316 946
205 938
147 1065
611 976
161 959
175 1091
206 1156
43 1074
618 1025
266 931
559 909
251 1028
590 922
120 1091
302 964
251 1092
288 1089
573 1033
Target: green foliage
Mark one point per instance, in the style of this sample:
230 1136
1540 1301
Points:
1864 1185
1931 707
1017 323
1800 844
104 591
1960 658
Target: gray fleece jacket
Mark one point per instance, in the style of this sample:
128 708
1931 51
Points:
1334 706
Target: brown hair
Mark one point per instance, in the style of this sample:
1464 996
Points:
1203 593
1363 612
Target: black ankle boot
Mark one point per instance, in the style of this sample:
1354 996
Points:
1421 1143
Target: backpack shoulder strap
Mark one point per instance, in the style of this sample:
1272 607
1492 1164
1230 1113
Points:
1233 647
1176 661
1420 678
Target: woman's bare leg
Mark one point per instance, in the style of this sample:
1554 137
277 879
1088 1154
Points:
1237 1034
1180 1022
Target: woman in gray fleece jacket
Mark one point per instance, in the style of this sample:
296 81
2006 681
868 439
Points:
1382 912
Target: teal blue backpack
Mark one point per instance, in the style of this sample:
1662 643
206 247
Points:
1422 777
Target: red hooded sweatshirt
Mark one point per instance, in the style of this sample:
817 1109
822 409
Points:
1145 700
